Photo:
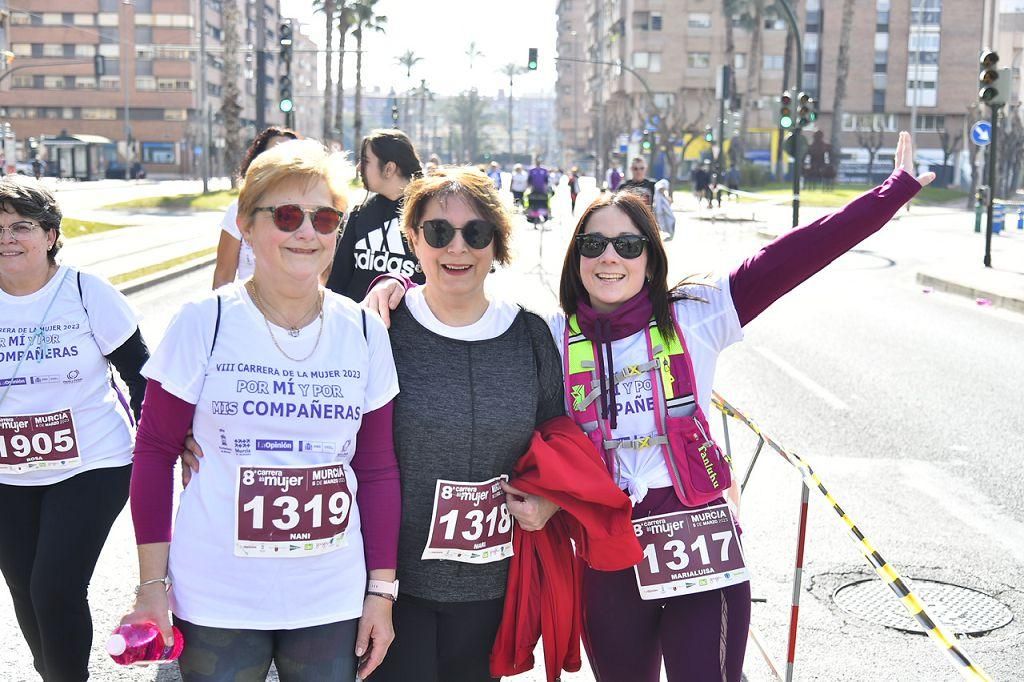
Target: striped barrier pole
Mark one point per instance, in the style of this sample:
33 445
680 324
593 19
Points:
914 606
798 579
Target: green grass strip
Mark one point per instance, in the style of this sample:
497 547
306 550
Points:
72 227
160 267
213 201
840 195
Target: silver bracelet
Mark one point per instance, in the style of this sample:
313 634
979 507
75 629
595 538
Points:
165 580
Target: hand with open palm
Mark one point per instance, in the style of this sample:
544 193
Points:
905 159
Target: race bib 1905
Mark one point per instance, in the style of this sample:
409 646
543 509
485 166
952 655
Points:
471 522
688 551
38 441
294 511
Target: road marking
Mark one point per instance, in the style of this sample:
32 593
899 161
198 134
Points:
801 378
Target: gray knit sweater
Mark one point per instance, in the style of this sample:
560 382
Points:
466 412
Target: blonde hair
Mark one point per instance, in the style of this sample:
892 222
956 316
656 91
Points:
305 161
469 184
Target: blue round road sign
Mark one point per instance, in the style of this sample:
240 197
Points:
981 133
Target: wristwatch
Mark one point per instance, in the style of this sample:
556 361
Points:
383 588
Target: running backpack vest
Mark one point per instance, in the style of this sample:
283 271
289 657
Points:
699 471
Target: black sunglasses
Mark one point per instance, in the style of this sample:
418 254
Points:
439 233
289 217
628 246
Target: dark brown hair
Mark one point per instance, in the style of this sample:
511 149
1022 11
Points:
259 145
469 184
391 144
30 199
571 289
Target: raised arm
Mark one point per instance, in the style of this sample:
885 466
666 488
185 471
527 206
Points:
795 256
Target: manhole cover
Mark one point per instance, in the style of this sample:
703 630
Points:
961 609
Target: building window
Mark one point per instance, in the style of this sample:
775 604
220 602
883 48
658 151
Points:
145 83
21 49
110 50
641 60
879 81
878 101
175 114
110 83
739 60
22 82
21 18
655 65
698 20
143 35
99 114
877 121
106 19
775 24
642 21
158 152
53 50
930 122
84 19
85 83
52 19
84 50
774 62
173 84
698 60
655 21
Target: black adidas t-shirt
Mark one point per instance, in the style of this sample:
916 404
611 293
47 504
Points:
371 245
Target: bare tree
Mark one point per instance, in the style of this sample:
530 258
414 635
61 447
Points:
683 121
842 75
1011 144
754 70
950 145
231 106
871 140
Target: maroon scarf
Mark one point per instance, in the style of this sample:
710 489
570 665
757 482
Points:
603 328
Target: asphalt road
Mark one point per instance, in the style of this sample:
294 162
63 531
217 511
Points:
904 402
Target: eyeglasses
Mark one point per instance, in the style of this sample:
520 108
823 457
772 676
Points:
439 233
289 217
638 168
628 246
19 230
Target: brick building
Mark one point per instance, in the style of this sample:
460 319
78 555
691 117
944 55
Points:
677 48
126 77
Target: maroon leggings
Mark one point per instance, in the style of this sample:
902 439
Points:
701 636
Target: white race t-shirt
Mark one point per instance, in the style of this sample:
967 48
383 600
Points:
257 409
63 368
708 328
246 257
493 323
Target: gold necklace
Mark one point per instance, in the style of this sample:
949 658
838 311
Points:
293 329
320 331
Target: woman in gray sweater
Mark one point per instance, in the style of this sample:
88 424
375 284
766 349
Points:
477 376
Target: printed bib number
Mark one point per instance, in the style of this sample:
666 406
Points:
285 512
688 551
471 522
38 441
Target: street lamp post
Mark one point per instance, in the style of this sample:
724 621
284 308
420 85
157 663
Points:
916 24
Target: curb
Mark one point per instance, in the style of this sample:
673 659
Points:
137 285
950 287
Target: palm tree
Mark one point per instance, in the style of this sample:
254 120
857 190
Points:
842 74
329 8
511 70
470 112
231 106
346 19
408 60
366 20
473 52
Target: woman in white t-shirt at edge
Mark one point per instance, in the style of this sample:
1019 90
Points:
235 258
288 389
65 430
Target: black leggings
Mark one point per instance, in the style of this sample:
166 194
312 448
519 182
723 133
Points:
50 540
441 641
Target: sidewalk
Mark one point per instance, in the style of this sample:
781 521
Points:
950 255
164 245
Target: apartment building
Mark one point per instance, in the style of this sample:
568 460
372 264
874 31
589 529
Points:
123 78
908 59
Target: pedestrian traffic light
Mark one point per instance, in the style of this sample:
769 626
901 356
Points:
988 80
645 141
394 114
786 119
709 134
531 60
285 34
99 65
286 104
805 114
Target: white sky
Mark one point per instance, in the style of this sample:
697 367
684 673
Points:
440 31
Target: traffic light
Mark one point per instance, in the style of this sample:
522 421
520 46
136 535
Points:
645 142
285 43
394 115
531 60
286 104
99 65
805 113
991 91
709 134
786 120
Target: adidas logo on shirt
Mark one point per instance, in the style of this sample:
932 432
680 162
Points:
383 250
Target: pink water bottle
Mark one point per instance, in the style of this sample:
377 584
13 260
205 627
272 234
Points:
142 643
